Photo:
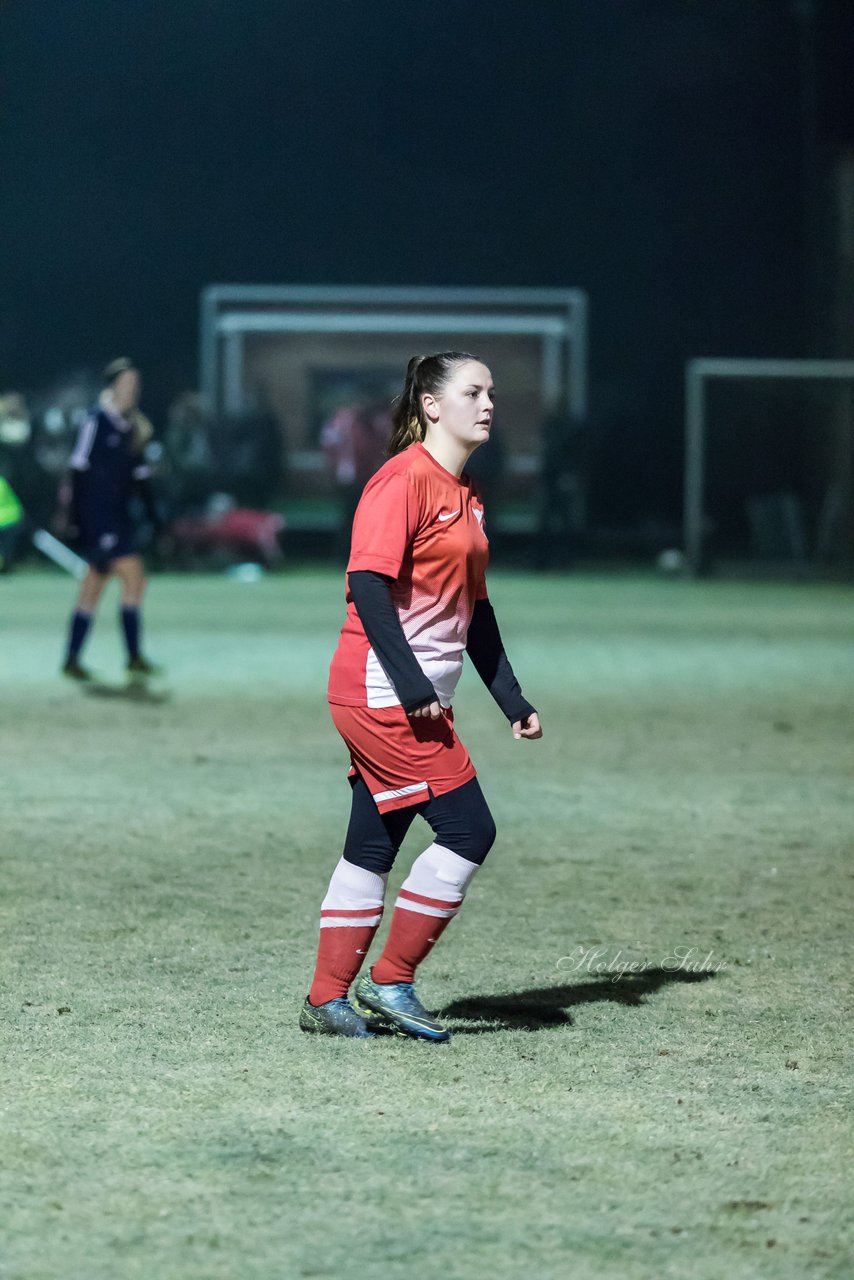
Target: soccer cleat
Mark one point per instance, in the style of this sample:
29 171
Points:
140 666
398 1004
334 1018
75 671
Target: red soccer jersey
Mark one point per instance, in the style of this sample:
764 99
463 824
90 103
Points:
422 526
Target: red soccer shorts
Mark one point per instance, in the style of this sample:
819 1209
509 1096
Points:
402 761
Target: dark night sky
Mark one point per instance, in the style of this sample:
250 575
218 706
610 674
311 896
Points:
647 150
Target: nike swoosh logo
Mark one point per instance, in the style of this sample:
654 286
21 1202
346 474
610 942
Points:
448 515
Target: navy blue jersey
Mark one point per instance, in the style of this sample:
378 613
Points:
105 466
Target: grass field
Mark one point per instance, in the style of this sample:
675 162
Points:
164 860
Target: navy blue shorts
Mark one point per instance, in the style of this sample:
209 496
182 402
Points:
103 546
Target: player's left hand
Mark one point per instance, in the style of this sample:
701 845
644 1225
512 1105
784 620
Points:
528 728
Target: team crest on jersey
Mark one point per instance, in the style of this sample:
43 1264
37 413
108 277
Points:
478 515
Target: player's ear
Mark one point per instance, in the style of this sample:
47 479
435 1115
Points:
431 406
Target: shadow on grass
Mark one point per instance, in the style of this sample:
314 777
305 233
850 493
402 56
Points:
132 691
541 1007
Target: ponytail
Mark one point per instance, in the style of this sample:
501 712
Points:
407 418
424 375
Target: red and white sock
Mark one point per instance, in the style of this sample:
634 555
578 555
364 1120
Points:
349 917
429 898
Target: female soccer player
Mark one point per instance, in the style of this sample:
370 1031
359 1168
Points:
416 599
106 469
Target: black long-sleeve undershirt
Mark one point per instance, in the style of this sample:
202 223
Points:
486 649
144 490
372 598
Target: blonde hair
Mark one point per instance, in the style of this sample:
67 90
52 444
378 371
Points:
424 374
142 430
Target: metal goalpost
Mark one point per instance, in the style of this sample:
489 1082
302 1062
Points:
698 373
231 313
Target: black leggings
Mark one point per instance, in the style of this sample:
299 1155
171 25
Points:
460 819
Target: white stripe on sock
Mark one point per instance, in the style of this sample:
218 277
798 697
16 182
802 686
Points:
438 873
346 922
353 888
421 908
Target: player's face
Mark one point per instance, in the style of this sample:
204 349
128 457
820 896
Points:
126 390
464 408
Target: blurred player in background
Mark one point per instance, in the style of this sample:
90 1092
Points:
15 454
354 448
11 524
417 600
107 472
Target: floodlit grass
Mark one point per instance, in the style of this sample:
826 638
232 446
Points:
163 864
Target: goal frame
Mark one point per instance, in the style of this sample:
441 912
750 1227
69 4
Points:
558 316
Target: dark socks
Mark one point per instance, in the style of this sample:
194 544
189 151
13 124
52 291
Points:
80 623
131 628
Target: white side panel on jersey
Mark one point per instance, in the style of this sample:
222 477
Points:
377 684
442 674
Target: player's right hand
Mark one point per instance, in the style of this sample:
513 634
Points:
431 709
